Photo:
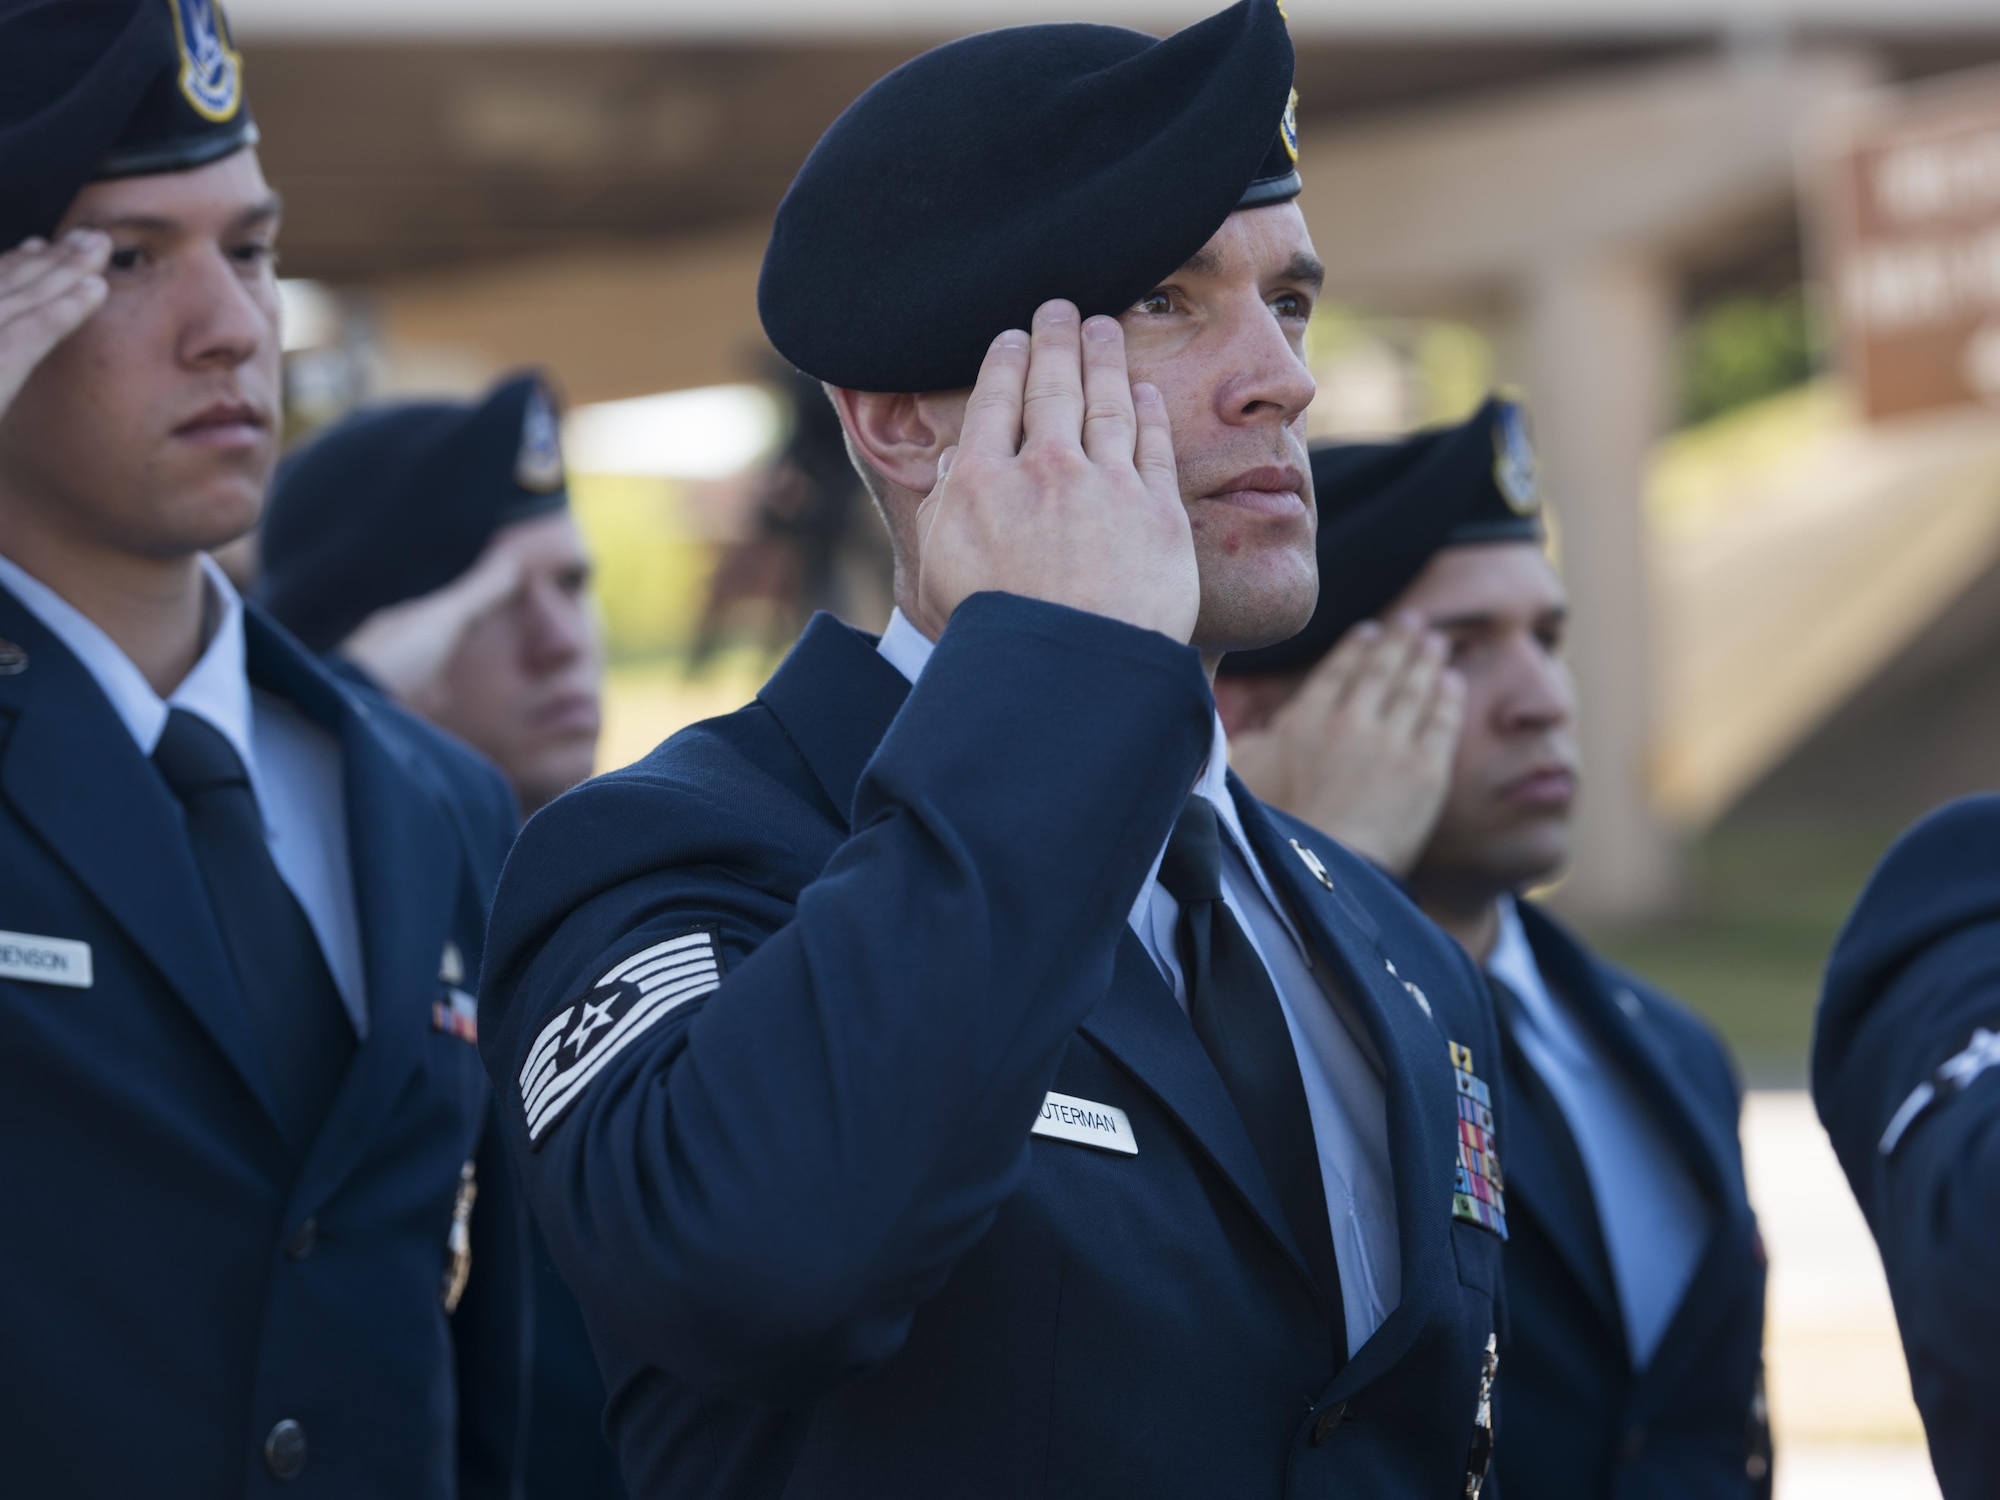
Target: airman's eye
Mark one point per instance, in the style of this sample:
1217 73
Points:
125 258
1290 305
1155 302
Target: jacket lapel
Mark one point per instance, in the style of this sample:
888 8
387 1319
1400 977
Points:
404 856
71 770
1417 1083
1703 1146
1557 1197
1143 1029
836 696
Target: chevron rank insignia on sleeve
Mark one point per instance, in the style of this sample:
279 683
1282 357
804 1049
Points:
582 1038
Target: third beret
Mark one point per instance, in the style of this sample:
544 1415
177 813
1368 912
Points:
1386 509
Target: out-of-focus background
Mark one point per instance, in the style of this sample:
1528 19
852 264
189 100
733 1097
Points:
1743 256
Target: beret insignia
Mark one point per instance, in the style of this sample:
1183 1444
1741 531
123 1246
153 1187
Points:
1515 473
1288 127
540 464
211 75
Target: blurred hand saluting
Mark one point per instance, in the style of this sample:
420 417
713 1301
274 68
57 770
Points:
47 292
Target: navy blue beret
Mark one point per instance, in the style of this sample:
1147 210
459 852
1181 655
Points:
91 89
397 501
1386 509
994 173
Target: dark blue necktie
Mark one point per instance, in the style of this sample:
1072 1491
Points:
294 1008
1238 1017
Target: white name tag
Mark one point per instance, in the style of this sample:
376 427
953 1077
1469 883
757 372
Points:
44 960
1065 1117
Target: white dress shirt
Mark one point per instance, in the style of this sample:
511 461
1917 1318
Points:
1653 1217
294 764
1338 1062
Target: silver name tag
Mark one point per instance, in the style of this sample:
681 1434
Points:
45 960
1065 1117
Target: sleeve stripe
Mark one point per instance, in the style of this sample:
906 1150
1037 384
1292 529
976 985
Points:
667 996
671 945
666 970
545 1044
533 1090
542 1112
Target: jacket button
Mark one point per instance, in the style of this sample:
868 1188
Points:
302 1243
285 1450
1632 1445
1329 1419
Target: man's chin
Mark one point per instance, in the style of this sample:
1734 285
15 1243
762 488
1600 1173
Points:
1244 607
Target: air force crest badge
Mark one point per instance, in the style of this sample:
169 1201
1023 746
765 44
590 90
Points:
540 465
580 1040
1515 472
211 69
1288 127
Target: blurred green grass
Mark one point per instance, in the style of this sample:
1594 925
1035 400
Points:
1766 904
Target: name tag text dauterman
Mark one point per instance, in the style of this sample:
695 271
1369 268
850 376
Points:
1065 1117
45 960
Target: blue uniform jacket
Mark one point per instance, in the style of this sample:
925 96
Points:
565 1456
818 1248
173 1282
1915 975
1576 1420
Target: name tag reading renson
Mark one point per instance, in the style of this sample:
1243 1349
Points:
1065 1117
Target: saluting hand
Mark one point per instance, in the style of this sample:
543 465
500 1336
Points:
408 648
1364 750
1062 486
47 292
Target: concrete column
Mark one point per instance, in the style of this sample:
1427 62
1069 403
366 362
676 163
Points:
1595 346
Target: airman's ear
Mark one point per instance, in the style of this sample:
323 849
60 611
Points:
901 434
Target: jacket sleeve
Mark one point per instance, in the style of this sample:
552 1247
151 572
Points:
757 1192
1910 1095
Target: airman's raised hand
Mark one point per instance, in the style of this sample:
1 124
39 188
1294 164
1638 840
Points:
1364 750
1062 486
47 292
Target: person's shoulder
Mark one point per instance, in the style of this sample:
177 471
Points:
738 771
1913 964
1938 877
1690 1036
730 794
455 774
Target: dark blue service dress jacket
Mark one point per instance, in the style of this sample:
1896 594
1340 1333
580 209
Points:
1903 1077
1576 1420
565 1456
776 1016
175 1281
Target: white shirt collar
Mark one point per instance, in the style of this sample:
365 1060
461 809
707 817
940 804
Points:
1512 962
906 648
218 688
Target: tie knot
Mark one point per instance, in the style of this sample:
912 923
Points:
195 757
1192 868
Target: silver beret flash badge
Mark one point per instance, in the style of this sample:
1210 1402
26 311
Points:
1515 472
539 465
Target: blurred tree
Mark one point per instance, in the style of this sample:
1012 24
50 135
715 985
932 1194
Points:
1742 348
